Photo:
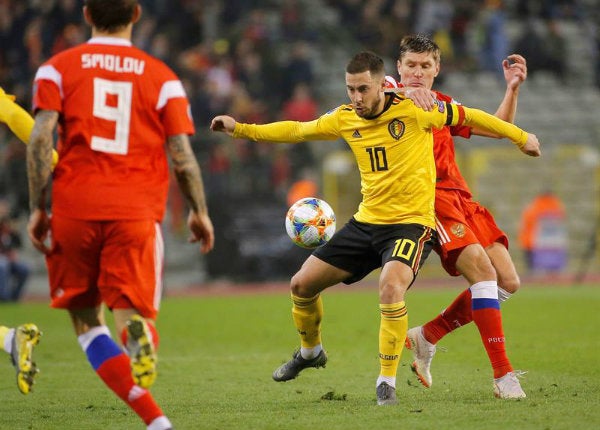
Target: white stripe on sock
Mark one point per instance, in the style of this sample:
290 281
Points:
87 338
503 295
485 290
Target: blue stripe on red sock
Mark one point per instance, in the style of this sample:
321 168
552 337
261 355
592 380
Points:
101 349
485 304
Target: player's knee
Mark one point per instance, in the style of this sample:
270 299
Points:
300 288
392 292
510 284
476 267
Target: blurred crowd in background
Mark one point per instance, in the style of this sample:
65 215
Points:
253 59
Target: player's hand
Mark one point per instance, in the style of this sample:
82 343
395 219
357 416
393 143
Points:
202 231
38 228
532 146
515 70
223 123
421 97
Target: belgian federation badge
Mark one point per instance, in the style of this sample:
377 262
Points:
396 128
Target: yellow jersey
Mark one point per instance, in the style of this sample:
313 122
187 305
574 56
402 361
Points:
393 151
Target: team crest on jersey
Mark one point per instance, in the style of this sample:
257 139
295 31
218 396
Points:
396 128
458 230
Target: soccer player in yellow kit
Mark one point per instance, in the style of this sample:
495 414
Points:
19 341
393 228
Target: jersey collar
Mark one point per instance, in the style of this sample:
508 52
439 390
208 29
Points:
109 41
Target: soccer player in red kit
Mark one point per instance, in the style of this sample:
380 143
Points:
115 107
470 242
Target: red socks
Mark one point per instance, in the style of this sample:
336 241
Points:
479 304
113 366
456 315
487 316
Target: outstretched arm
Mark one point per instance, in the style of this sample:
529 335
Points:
323 128
527 142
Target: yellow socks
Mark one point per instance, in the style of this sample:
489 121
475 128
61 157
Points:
392 333
307 314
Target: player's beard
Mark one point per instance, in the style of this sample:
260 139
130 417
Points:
370 113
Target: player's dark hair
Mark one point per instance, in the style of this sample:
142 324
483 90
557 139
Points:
111 15
365 61
419 43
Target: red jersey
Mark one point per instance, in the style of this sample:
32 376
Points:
448 175
117 106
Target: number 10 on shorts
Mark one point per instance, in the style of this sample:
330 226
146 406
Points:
404 248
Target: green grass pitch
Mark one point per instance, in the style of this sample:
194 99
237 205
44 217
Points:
217 355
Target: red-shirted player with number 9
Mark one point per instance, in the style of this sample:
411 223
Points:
115 106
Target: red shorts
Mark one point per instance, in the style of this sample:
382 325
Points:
119 263
460 222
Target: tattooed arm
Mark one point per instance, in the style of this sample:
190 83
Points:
39 169
189 179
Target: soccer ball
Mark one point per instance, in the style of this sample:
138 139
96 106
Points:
310 222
